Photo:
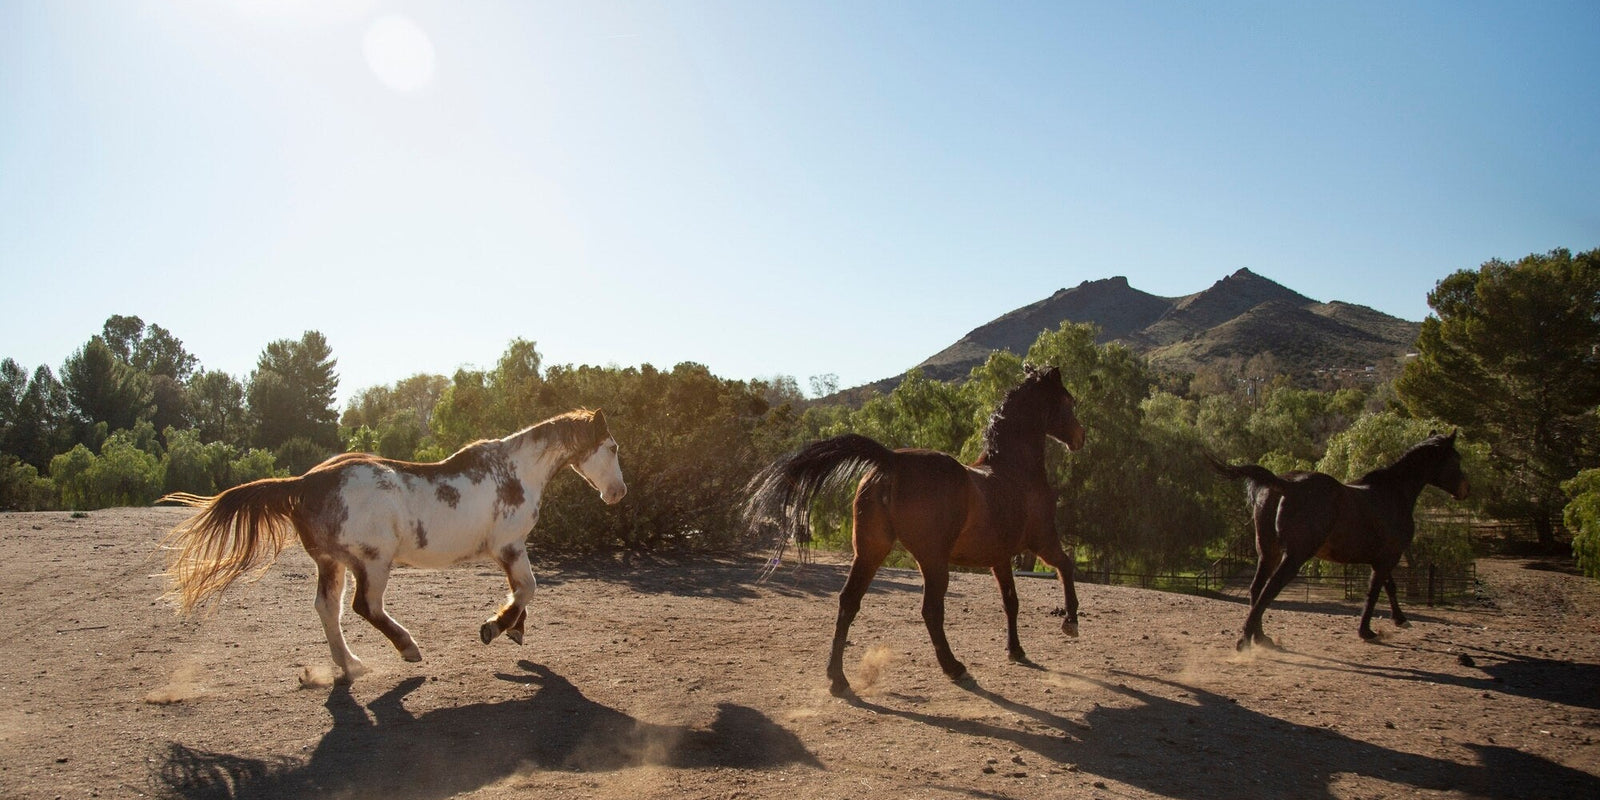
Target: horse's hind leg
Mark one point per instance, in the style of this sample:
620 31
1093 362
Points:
372 578
872 543
935 583
1268 553
1253 634
513 558
1008 597
330 607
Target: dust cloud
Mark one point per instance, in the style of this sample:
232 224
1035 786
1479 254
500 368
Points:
183 685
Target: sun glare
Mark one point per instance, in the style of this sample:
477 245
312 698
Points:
399 53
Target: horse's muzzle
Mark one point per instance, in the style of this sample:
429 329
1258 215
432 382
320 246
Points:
614 494
1075 440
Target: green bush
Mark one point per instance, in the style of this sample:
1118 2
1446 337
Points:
22 488
1582 517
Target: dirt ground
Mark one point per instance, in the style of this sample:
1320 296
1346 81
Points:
684 678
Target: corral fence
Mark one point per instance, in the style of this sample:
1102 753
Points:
1318 580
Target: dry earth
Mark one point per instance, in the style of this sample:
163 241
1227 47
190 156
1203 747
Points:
685 679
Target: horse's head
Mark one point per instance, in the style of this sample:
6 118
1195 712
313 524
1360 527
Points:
600 466
1061 421
1448 476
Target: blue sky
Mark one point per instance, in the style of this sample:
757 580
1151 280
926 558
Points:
766 188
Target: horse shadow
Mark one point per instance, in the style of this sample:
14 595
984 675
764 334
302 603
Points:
442 753
1208 746
1569 683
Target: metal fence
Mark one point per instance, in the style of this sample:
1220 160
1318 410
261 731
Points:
1318 580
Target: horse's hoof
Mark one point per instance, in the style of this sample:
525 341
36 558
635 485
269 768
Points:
1070 629
1368 634
964 679
413 655
1018 657
1261 640
514 635
487 632
841 688
351 671
1402 623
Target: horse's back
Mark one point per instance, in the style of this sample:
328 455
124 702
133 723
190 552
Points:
1322 516
1365 529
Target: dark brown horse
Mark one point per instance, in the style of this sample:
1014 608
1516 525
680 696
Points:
943 512
1303 514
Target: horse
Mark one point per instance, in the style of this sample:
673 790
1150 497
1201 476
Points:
363 513
944 512
1303 514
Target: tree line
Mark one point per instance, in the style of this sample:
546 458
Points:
1510 357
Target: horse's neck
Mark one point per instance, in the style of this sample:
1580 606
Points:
1405 479
1015 452
534 458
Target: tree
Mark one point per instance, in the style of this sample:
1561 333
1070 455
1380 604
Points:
216 407
1512 356
394 421
290 394
13 385
43 425
155 352
152 350
103 388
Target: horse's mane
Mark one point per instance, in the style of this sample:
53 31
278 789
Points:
1417 458
1004 430
577 431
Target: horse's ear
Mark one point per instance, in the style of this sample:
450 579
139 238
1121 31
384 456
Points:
599 419
1452 437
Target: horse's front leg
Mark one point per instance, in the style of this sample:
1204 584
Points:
513 558
1400 620
372 578
1381 578
1056 557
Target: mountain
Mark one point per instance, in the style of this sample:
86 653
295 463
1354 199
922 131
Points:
1240 316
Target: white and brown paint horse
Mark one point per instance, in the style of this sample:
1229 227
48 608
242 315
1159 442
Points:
365 513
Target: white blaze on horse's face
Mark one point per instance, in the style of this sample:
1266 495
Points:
603 471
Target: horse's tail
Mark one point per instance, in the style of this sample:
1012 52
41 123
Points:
1258 476
239 531
781 494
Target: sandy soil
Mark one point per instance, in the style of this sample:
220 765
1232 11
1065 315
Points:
685 679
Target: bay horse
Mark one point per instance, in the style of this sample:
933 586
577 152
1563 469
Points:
365 513
1303 514
944 512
